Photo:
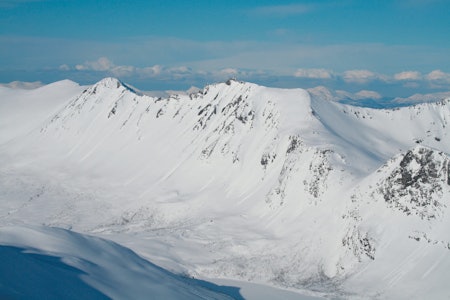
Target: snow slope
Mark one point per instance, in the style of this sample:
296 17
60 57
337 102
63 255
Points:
22 110
51 263
246 182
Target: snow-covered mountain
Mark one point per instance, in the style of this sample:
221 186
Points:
241 181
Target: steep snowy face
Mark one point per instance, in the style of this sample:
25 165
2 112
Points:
229 120
241 129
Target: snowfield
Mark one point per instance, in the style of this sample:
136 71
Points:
238 182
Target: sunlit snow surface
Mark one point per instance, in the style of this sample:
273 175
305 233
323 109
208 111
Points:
239 181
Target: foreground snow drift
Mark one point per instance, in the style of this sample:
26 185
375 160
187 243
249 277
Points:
51 263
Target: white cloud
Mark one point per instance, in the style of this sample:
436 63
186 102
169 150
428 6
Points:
198 74
64 67
360 76
274 56
364 94
180 70
102 64
150 71
23 85
314 73
408 75
122 70
438 75
228 72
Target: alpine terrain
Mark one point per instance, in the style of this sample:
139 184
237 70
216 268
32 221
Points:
281 187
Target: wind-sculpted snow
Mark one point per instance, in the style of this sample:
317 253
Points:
247 182
51 263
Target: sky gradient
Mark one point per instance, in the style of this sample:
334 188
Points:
396 48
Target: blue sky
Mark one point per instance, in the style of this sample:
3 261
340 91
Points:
396 48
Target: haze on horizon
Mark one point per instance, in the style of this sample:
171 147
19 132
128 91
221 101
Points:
393 48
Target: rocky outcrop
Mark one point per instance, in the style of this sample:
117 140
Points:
415 185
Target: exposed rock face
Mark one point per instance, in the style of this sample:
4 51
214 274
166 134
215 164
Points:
448 173
359 243
416 184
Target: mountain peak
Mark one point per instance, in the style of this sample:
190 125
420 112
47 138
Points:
109 82
232 80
